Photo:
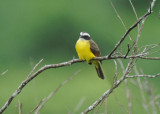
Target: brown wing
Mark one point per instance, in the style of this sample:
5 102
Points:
94 48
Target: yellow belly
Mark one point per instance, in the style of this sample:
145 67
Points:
83 50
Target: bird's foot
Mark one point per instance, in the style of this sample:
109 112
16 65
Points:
90 63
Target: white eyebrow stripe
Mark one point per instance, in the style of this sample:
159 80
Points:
84 34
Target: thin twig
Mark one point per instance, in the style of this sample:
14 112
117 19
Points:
34 81
155 98
98 107
20 107
122 66
157 51
141 91
154 46
128 97
3 73
152 97
79 104
116 72
35 67
28 79
143 75
127 89
105 106
143 21
134 10
159 14
45 100
120 19
138 36
158 105
128 50
123 107
35 107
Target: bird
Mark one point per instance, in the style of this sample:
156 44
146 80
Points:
87 49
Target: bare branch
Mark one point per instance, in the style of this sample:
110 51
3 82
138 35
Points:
130 65
138 56
141 75
109 91
128 68
104 96
68 63
143 18
28 79
151 58
128 31
143 21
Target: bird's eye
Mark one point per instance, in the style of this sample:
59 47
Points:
86 37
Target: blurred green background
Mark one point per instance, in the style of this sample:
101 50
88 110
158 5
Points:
34 29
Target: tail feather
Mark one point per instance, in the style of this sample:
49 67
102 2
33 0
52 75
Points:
99 70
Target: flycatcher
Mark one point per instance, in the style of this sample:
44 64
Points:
87 49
